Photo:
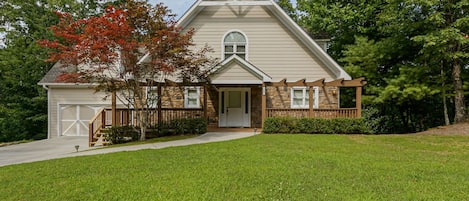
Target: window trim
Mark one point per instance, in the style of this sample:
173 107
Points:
246 44
186 97
305 104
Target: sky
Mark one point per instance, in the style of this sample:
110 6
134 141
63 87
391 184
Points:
179 7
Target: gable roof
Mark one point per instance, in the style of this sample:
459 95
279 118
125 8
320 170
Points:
199 5
52 76
248 68
278 12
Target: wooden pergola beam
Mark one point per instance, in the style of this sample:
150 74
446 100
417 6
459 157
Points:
317 83
170 82
175 84
301 82
335 83
283 82
359 82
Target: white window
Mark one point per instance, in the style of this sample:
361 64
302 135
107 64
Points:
192 97
325 44
152 97
235 43
300 97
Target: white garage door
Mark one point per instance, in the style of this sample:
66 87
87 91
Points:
74 119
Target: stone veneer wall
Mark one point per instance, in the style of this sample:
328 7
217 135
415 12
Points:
328 99
173 97
280 97
212 106
256 107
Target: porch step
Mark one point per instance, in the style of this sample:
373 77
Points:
99 139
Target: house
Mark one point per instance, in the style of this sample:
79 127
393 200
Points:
269 67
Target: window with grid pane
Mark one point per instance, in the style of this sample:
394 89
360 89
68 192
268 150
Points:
152 97
235 43
192 97
300 97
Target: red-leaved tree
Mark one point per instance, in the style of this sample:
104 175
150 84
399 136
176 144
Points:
126 49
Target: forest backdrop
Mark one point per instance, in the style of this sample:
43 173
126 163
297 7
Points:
414 55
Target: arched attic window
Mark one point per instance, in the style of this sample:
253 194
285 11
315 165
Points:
235 43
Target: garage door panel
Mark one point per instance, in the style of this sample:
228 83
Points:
74 119
68 128
69 112
83 129
86 113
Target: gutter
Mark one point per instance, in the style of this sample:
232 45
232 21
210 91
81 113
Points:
48 110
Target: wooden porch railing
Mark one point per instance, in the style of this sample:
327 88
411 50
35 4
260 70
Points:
316 113
96 124
125 117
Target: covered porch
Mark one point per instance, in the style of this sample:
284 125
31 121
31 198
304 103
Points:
330 92
240 106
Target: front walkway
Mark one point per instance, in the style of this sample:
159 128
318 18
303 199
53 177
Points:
63 147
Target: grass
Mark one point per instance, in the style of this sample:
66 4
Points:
264 167
154 140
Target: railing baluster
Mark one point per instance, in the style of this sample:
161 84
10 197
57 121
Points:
95 124
317 113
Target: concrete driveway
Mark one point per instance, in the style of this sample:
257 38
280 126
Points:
63 147
41 150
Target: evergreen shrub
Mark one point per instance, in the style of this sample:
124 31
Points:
293 125
183 126
122 134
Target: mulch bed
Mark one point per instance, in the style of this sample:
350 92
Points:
456 129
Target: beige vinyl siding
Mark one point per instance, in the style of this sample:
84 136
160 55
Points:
271 46
234 72
71 96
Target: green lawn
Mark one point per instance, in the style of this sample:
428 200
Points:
153 140
264 167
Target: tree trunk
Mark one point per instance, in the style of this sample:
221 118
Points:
445 105
143 124
143 131
445 109
140 110
460 108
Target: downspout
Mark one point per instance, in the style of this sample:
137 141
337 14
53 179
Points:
48 110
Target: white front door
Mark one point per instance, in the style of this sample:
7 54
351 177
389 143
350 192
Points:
235 108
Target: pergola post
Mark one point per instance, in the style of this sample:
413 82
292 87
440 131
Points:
159 105
113 108
264 104
205 102
311 101
358 101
